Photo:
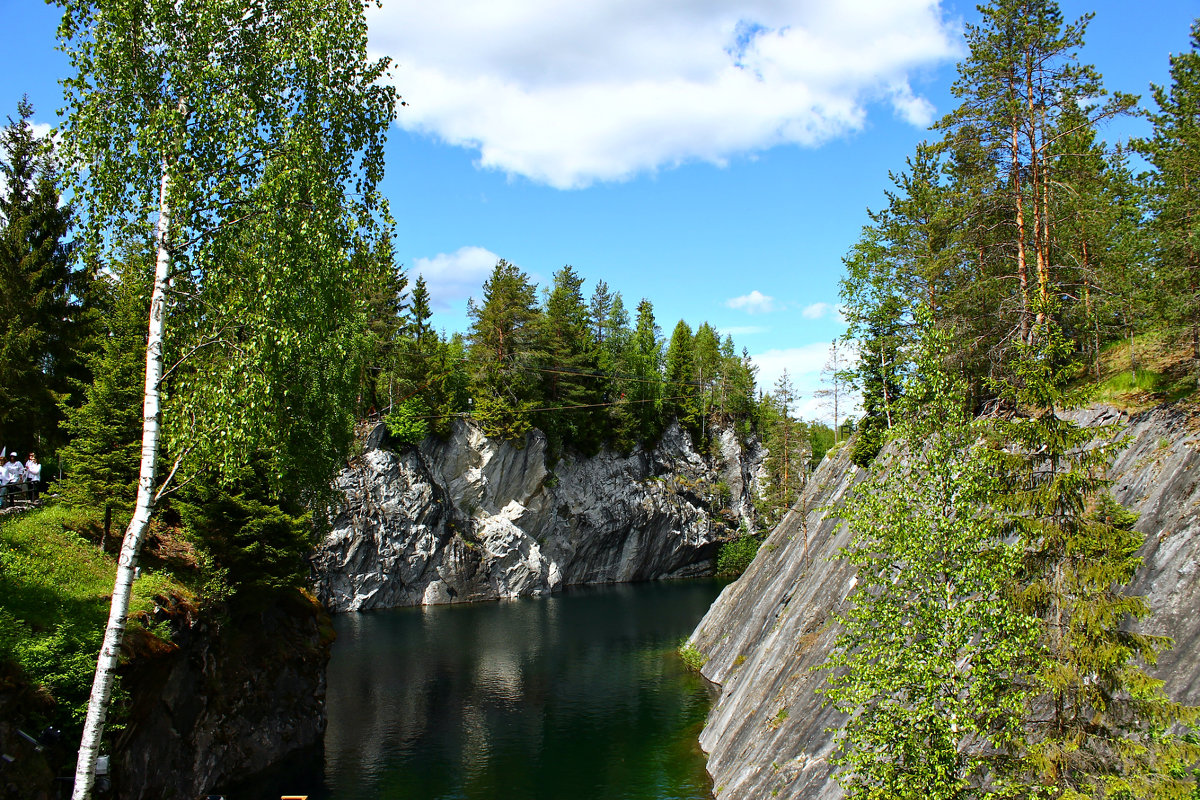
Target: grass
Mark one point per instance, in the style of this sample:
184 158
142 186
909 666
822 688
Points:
55 589
1163 375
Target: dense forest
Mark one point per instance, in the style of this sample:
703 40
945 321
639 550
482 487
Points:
1019 213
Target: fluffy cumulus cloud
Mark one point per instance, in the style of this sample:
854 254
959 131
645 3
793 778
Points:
754 303
453 277
568 94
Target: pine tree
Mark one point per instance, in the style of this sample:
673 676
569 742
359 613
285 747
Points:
503 354
788 453
1174 151
1021 77
833 390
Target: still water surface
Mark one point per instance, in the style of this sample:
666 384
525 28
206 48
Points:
570 697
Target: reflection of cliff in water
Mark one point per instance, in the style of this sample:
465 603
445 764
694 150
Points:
573 696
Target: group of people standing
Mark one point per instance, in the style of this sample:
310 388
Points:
17 478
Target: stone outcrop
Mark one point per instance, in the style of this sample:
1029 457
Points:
469 518
227 698
767 733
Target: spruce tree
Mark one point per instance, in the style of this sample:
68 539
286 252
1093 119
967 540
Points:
44 322
101 458
419 312
682 389
569 368
1096 724
643 386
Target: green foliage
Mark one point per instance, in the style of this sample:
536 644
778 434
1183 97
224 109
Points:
821 437
1098 723
924 666
275 224
54 589
788 452
255 544
735 556
692 658
45 301
503 347
570 385
409 422
102 456
1174 151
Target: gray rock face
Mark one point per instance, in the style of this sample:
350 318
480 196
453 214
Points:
766 735
471 518
227 699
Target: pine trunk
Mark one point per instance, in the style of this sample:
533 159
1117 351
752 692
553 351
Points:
1019 208
106 664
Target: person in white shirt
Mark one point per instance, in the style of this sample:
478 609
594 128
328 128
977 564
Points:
33 476
13 472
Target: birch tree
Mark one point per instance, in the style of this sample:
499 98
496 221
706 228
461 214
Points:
249 135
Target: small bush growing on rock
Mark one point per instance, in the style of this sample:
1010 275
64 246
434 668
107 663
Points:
693 659
409 423
735 556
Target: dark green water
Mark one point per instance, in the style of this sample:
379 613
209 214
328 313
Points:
570 697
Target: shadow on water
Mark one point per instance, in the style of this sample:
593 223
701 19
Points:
570 697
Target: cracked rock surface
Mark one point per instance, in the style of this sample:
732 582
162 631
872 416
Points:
471 518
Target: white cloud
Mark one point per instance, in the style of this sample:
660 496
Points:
741 330
567 94
453 277
754 303
816 310
804 365
822 310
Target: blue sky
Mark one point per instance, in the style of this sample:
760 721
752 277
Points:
715 156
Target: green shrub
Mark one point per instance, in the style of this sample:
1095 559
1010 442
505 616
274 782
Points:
409 422
248 541
735 556
692 658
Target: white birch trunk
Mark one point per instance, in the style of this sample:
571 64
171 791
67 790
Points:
106 664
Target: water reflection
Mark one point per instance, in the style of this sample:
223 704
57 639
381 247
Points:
574 696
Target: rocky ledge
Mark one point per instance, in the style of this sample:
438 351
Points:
767 734
470 518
